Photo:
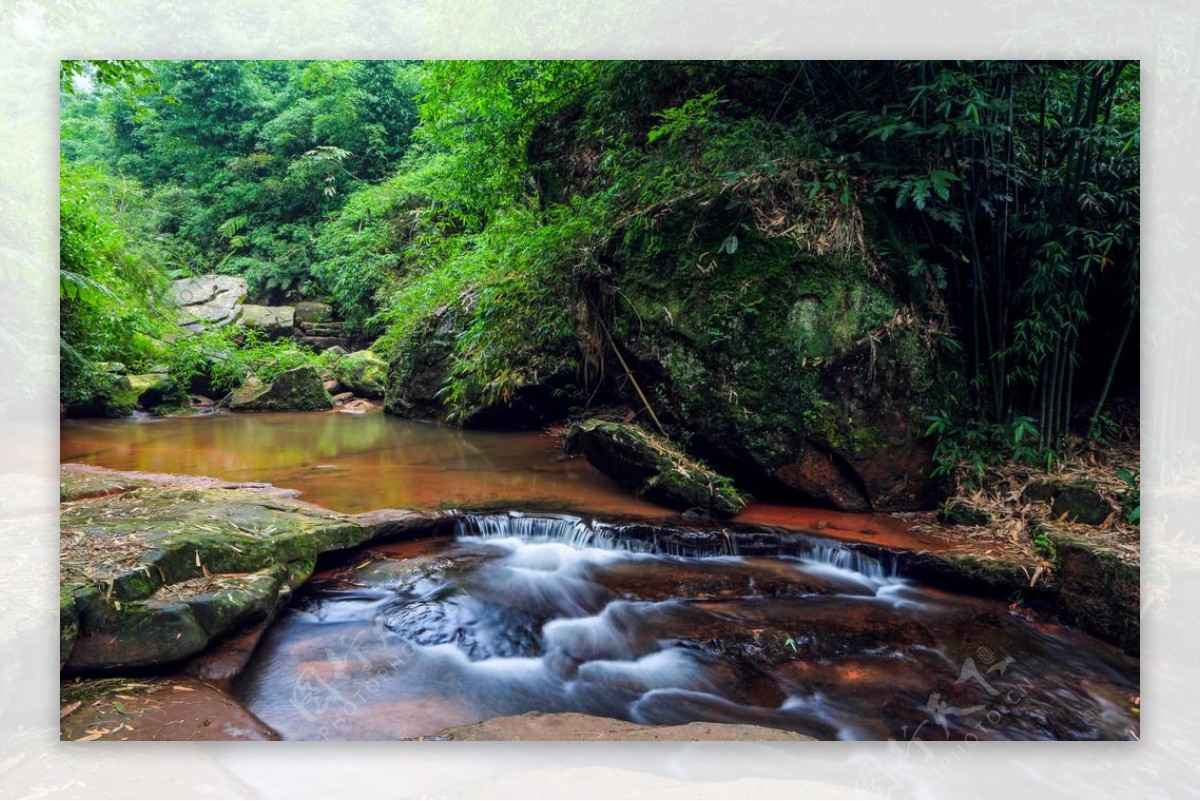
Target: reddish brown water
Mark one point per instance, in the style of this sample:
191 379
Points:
355 463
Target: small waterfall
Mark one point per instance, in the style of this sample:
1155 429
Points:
827 552
682 543
568 530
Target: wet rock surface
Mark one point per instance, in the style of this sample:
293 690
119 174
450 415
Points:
653 468
564 726
151 574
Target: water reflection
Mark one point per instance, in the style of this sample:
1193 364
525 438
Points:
354 463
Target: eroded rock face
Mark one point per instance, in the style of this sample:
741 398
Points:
652 468
298 389
415 376
209 301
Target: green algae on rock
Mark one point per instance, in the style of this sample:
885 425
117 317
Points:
362 372
653 468
153 575
299 389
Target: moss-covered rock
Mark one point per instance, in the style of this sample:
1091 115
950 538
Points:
1101 592
417 373
653 468
1081 503
101 393
300 389
804 375
274 321
363 373
155 568
68 624
156 389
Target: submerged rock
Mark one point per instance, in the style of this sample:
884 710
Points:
300 389
653 468
362 372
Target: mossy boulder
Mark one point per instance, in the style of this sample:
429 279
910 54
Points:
653 468
156 389
417 373
802 372
417 377
363 373
100 393
1081 503
299 389
312 311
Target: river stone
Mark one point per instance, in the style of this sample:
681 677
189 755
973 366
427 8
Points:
300 389
653 468
275 321
209 301
362 372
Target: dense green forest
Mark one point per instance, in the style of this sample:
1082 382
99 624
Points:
962 236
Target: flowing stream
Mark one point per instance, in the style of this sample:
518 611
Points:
517 613
547 612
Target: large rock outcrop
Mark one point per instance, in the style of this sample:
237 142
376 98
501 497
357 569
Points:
804 375
417 376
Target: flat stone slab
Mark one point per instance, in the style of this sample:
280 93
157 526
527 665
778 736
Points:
153 569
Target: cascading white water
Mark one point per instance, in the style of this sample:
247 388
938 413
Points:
580 534
554 613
